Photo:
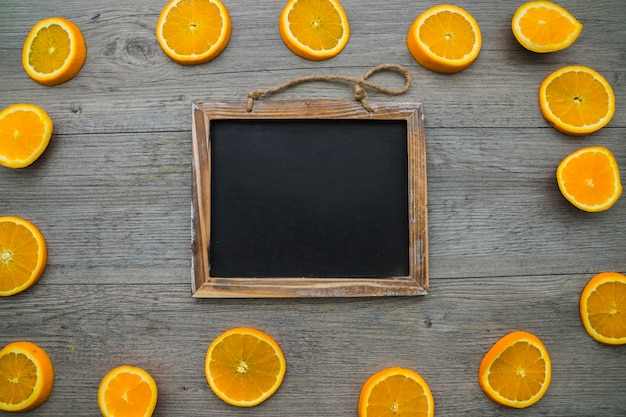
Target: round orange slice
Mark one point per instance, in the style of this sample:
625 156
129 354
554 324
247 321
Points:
396 392
26 376
193 31
54 51
23 255
590 179
314 29
516 371
244 366
25 131
543 26
444 38
603 308
127 391
576 100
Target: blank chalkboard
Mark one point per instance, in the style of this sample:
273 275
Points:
300 199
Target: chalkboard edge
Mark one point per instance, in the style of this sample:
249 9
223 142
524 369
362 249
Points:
206 286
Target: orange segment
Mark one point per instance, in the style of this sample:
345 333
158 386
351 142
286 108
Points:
445 38
396 392
577 100
590 179
193 31
543 26
26 376
603 308
25 131
516 371
54 51
127 391
244 366
23 255
314 29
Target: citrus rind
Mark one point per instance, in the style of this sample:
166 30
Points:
74 61
595 282
562 183
528 43
423 53
575 101
305 51
195 58
494 354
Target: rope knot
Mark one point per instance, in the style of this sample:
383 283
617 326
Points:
359 92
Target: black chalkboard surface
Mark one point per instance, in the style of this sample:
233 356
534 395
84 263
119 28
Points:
308 199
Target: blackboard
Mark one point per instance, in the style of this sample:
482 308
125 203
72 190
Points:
316 198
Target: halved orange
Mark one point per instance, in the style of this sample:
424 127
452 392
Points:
516 371
26 376
244 366
590 179
603 308
314 29
54 51
396 392
193 31
127 391
25 131
542 26
23 255
444 38
576 100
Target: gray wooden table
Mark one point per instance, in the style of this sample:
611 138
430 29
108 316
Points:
112 196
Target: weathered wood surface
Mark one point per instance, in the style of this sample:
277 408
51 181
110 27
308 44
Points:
112 195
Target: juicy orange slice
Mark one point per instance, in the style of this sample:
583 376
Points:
396 392
516 371
445 38
543 26
603 308
25 131
26 376
23 255
589 179
54 51
193 31
314 29
577 100
127 391
244 366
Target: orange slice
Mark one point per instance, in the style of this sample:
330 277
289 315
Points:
577 100
603 308
25 131
516 371
193 31
396 392
542 26
444 38
54 51
589 179
127 391
244 366
26 376
314 29
23 255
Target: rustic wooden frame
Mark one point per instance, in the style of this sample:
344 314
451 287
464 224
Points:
206 286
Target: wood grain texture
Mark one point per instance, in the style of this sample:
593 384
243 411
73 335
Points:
112 196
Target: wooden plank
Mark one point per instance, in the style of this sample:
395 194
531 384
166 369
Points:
112 195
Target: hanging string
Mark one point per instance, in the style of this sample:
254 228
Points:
359 83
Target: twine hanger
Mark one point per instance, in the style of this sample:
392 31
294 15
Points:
359 92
